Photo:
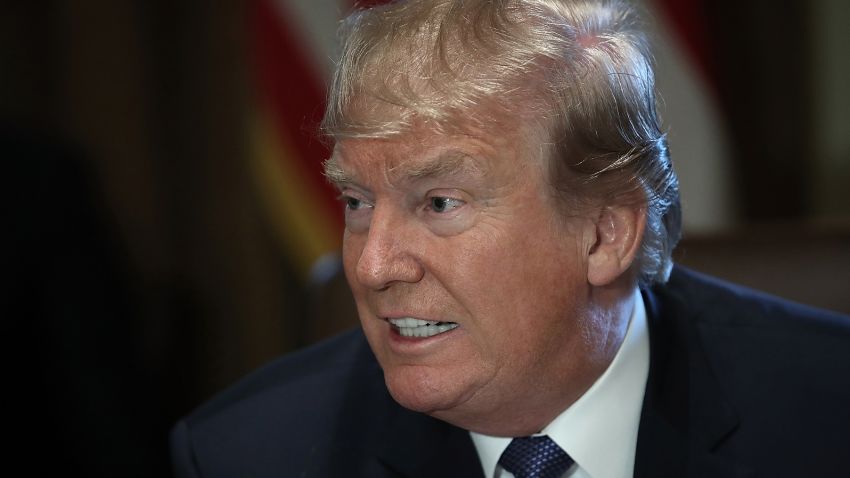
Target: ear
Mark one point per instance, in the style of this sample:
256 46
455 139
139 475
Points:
619 231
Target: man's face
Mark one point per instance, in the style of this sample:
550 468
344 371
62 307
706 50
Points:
470 283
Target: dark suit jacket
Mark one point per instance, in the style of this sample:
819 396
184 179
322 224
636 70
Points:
740 384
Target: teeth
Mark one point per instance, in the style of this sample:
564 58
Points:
410 327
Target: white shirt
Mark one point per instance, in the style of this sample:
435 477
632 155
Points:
599 431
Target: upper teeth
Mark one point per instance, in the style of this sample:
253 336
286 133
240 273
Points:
410 327
411 322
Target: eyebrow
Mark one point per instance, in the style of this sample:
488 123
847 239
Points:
446 164
334 172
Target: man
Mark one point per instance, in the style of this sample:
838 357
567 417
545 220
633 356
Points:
510 214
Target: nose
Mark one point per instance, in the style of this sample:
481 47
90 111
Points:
388 255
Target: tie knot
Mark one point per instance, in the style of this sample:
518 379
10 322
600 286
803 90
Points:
535 457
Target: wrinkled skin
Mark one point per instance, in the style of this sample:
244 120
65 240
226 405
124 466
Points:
463 228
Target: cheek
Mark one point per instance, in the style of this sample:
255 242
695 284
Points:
523 263
519 289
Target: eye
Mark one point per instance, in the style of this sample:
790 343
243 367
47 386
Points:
441 204
352 203
357 211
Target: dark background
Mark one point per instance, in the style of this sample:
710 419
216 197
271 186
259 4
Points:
142 275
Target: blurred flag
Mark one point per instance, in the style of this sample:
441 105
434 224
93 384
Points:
287 150
693 112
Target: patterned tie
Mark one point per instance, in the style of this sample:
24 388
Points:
535 457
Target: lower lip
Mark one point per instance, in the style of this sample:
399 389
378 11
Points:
400 343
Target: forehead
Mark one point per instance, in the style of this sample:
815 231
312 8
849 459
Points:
422 154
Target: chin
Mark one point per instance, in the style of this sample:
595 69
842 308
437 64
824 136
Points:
422 390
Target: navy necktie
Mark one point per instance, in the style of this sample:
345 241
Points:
535 457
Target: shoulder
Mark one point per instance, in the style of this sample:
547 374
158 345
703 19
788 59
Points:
783 367
741 328
766 352
293 377
286 415
713 303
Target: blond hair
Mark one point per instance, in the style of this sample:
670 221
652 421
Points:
581 70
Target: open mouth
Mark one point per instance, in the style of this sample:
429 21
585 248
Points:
410 327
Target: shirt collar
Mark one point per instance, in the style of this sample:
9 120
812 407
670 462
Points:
599 431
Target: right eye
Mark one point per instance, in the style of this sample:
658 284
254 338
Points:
353 203
357 212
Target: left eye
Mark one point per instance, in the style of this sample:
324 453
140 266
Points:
443 204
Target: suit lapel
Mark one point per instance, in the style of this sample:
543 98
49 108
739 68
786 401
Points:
685 418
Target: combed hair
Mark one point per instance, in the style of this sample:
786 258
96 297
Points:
579 70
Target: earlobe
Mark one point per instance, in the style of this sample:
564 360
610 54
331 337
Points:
619 230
